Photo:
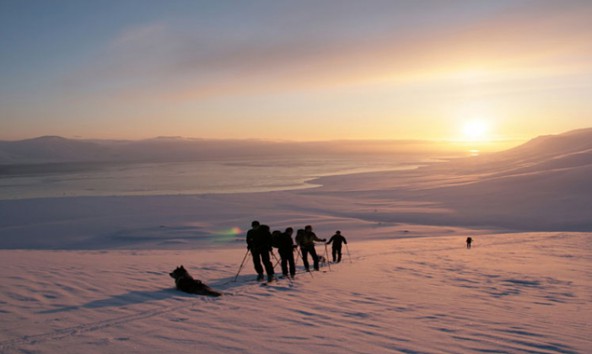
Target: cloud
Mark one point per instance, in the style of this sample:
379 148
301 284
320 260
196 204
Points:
193 61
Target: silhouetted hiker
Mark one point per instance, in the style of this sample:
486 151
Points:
337 240
306 239
286 247
469 241
259 243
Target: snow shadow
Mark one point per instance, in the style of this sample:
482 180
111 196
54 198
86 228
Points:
130 298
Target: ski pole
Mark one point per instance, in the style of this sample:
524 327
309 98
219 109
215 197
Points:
242 263
348 255
276 259
327 258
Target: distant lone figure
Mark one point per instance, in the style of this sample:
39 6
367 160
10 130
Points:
469 241
337 240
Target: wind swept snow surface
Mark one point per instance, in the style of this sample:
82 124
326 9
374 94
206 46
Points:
516 293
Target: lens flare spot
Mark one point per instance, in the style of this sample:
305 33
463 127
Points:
227 235
233 231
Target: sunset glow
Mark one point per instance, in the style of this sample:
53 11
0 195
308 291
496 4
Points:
269 70
476 130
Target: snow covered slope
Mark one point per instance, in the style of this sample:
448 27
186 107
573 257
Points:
515 293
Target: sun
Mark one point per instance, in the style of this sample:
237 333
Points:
475 130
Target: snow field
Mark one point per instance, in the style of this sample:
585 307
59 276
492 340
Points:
527 292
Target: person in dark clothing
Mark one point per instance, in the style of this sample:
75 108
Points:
259 243
469 241
337 240
286 247
306 239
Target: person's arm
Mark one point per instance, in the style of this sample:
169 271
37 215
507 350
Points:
249 239
315 238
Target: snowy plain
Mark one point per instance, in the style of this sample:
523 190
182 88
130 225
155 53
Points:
510 293
90 274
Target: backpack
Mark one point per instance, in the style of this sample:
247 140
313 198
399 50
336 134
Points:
276 239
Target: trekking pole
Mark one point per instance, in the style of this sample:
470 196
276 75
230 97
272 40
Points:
276 259
242 263
348 255
327 258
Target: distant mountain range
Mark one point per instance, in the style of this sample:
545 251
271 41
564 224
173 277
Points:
572 146
569 149
55 149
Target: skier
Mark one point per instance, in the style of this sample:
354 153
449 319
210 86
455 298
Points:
286 246
337 240
306 239
259 243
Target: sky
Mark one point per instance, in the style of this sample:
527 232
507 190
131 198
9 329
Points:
295 70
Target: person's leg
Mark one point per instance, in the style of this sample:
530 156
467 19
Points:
267 264
290 258
334 254
315 257
338 254
304 251
284 261
257 263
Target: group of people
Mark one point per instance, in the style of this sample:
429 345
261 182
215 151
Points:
261 241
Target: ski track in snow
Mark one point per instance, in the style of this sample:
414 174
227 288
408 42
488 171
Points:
523 293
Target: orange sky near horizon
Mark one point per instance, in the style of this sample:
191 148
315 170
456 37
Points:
458 70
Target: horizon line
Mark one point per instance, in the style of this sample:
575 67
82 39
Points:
273 140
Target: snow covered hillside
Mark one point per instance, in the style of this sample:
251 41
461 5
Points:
514 293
